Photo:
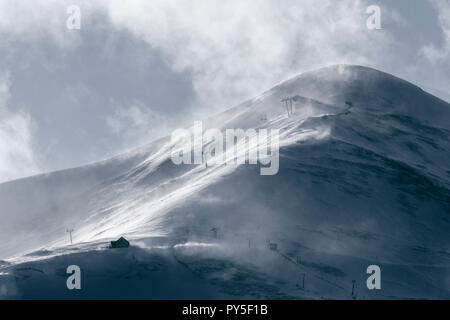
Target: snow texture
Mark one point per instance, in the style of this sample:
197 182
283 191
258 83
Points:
364 179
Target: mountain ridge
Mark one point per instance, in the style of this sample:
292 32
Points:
364 177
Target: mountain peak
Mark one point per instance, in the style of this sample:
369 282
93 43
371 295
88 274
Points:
367 88
342 76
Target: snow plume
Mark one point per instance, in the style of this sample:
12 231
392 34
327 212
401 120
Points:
17 158
237 146
137 122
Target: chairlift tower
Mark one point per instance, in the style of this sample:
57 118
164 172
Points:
215 231
70 234
354 289
289 105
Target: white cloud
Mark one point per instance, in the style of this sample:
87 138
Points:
135 124
235 49
440 54
16 153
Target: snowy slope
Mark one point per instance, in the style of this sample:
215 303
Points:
360 184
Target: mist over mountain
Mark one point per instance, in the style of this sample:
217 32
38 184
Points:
363 179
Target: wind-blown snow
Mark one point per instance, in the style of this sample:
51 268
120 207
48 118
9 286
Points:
359 184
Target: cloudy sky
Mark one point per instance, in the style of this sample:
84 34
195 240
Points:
136 70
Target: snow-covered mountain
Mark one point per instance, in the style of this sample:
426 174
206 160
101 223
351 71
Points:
364 179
